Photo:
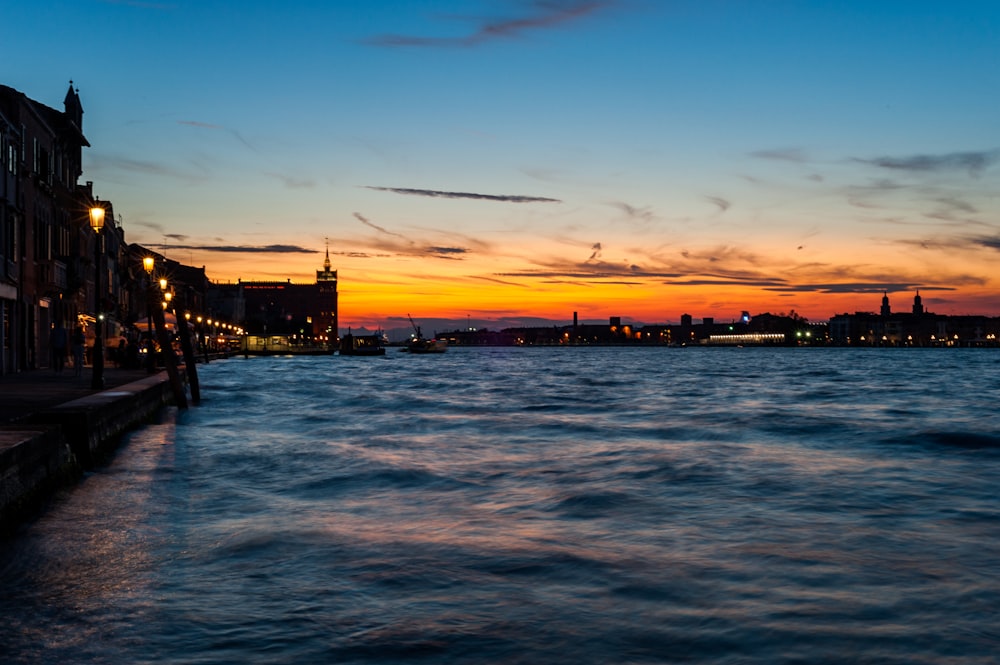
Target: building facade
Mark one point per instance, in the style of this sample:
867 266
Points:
918 327
306 312
48 252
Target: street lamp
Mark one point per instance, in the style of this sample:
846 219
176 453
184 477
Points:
97 223
148 263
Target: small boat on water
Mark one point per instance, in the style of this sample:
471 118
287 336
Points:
362 345
420 344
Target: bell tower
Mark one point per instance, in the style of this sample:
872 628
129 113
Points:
326 290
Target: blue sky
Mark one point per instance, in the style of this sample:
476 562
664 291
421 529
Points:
509 158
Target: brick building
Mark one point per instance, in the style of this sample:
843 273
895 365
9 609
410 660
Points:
47 249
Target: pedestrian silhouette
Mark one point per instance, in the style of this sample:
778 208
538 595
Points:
57 341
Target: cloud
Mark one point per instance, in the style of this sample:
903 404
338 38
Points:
545 14
632 212
247 249
208 125
973 162
598 271
854 287
953 203
504 282
723 204
153 226
959 243
292 183
196 123
101 162
364 220
361 255
989 242
727 267
410 247
506 198
782 154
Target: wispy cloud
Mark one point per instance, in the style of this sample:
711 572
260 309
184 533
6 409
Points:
432 193
782 155
537 15
247 249
643 214
723 204
952 203
408 246
959 243
291 182
100 162
364 220
152 226
208 125
856 287
731 266
974 162
989 242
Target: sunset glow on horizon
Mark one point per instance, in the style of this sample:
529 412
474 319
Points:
508 159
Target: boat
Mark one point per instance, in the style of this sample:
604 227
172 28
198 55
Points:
420 344
362 345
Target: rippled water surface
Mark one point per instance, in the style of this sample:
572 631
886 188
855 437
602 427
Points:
536 506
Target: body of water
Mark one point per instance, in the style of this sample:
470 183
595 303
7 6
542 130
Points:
536 505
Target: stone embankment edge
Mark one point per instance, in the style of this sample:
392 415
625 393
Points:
49 450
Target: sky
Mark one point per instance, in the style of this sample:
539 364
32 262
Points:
507 161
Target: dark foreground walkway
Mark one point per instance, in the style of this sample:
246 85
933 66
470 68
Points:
29 392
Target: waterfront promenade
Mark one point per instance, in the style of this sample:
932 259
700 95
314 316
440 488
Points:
54 426
27 393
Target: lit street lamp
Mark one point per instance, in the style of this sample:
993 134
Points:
148 262
97 223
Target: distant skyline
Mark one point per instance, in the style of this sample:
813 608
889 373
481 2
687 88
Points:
513 160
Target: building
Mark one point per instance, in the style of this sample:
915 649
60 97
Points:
48 253
306 312
918 327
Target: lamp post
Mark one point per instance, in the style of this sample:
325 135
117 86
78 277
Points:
97 223
148 262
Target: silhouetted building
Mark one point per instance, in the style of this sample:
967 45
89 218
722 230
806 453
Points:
917 328
47 249
295 311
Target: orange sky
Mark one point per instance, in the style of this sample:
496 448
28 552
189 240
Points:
722 286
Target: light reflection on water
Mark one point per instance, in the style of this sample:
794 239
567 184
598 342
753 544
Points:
536 505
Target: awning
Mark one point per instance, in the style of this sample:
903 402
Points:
170 319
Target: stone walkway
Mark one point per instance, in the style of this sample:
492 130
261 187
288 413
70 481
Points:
24 393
